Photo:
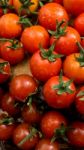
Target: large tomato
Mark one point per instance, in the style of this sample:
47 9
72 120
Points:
49 13
58 1
34 36
74 7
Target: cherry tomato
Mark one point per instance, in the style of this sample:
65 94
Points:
31 114
46 144
74 7
58 1
76 135
51 121
42 68
23 131
59 93
36 34
80 100
9 105
5 70
49 13
10 28
66 44
22 86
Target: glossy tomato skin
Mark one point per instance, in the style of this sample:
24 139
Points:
8 105
51 121
46 144
20 133
55 100
72 68
6 71
36 34
10 28
49 13
79 24
67 44
58 1
74 7
80 103
76 135
31 114
22 86
43 69
13 56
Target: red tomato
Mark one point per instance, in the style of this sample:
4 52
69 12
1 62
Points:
36 34
46 144
9 105
59 94
5 70
66 44
76 135
49 13
74 7
58 1
31 114
79 24
13 53
22 86
51 121
80 100
42 68
10 28
23 131
82 43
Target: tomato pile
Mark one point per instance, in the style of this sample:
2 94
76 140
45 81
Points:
42 74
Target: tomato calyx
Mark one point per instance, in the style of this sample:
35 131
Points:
60 31
42 2
2 65
25 21
48 54
63 87
5 6
80 59
81 95
7 121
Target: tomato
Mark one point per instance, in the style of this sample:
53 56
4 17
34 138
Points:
51 121
43 68
31 114
22 86
59 93
23 131
9 105
80 100
66 44
26 9
49 13
45 144
58 1
76 135
10 28
36 34
5 70
12 52
73 69
74 7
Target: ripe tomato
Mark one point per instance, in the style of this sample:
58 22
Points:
72 68
76 135
36 34
12 52
79 24
59 93
66 44
23 131
43 67
80 100
58 1
9 105
26 9
22 86
46 144
49 13
5 70
31 114
82 43
74 7
10 28
51 121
